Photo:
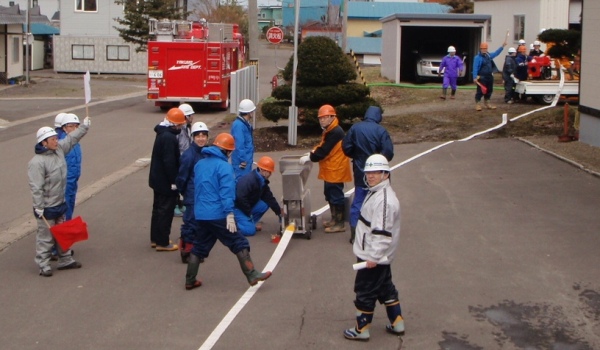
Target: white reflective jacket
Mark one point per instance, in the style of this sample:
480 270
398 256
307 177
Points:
378 228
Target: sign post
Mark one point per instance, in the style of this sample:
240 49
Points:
275 35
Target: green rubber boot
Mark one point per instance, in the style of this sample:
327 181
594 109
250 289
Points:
247 266
192 272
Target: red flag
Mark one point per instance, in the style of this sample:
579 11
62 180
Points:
70 232
482 87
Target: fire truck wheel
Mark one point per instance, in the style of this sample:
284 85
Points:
224 105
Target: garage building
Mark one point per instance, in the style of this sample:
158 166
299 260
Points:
407 35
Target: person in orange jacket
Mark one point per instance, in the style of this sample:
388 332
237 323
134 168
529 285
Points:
334 167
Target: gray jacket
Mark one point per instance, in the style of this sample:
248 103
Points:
47 171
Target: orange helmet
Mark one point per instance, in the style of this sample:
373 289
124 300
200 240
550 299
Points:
522 49
326 110
483 46
225 141
266 163
176 116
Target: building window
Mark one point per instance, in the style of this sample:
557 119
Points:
489 30
519 29
86 5
82 52
16 51
117 53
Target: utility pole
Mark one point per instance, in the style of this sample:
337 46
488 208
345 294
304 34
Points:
28 28
344 25
253 29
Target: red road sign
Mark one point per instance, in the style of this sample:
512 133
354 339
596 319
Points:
275 35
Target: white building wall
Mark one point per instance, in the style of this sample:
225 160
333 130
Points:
589 131
63 61
12 53
99 23
539 14
95 29
390 54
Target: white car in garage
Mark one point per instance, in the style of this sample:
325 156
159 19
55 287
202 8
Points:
428 65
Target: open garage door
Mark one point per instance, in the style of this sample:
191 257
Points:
427 43
408 37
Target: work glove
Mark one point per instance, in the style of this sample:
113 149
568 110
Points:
87 121
173 187
305 158
231 223
38 212
515 79
243 165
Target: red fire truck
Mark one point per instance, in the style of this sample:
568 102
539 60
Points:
192 62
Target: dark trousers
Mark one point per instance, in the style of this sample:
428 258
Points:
488 82
162 217
207 233
334 192
509 89
372 285
190 225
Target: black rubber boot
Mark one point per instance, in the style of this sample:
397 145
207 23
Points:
394 313
192 272
444 92
361 330
247 266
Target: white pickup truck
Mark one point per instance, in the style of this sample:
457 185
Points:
543 91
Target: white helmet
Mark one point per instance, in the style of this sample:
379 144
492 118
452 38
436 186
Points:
69 118
512 50
451 49
58 120
376 162
186 109
246 106
521 42
199 126
537 43
45 132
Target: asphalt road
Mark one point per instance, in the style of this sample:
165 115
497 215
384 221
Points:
499 250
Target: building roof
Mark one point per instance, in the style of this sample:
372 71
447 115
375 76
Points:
376 10
42 29
364 45
13 15
445 17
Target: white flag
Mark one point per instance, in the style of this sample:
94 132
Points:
86 87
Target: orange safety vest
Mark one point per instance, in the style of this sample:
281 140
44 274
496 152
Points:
334 168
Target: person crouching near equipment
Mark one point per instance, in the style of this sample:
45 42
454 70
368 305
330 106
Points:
47 172
185 185
377 236
334 167
214 194
254 197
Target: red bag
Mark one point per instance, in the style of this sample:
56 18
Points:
70 232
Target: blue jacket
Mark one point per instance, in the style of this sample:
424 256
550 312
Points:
185 177
164 162
241 131
251 188
73 159
365 139
521 72
214 185
484 64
